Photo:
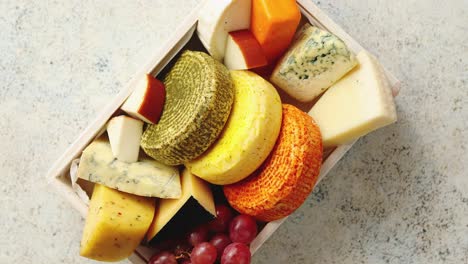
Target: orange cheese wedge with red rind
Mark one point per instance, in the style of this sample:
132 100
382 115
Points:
287 176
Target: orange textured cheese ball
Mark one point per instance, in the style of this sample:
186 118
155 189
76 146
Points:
287 177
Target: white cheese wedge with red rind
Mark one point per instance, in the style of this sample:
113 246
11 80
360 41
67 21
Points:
146 177
147 100
243 51
124 136
217 19
359 103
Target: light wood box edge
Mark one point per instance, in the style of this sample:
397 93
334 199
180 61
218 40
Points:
56 175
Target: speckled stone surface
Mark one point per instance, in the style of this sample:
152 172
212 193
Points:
399 196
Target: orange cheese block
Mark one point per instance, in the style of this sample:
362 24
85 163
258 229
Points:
287 177
274 24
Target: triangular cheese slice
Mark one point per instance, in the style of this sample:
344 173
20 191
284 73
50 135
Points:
175 216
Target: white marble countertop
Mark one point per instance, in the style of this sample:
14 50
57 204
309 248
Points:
399 196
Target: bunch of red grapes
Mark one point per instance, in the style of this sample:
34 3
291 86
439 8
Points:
223 240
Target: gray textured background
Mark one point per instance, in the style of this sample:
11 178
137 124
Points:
399 196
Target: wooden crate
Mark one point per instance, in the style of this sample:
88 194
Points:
59 176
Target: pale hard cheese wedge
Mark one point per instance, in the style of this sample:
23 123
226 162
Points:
146 177
243 51
219 17
116 224
315 61
175 216
124 136
359 103
147 100
199 97
249 135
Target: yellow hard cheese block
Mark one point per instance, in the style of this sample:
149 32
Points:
249 135
357 104
116 224
174 216
146 177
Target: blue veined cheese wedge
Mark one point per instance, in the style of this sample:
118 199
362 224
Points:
145 177
315 61
357 104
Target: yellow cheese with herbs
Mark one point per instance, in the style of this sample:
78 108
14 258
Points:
116 224
145 177
249 135
357 104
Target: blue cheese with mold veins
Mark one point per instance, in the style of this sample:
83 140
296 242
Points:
145 177
314 62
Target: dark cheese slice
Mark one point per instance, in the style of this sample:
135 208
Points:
174 217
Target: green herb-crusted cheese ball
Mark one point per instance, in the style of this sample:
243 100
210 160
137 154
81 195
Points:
199 96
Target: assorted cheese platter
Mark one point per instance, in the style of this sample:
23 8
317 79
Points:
223 134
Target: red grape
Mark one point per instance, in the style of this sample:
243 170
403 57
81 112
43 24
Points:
186 261
224 215
243 229
198 235
203 253
182 250
220 241
164 257
236 253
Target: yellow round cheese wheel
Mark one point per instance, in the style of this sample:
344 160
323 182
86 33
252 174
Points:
248 136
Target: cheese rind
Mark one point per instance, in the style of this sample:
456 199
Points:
124 136
315 61
147 100
146 177
115 225
243 51
357 104
249 135
217 19
287 177
170 212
